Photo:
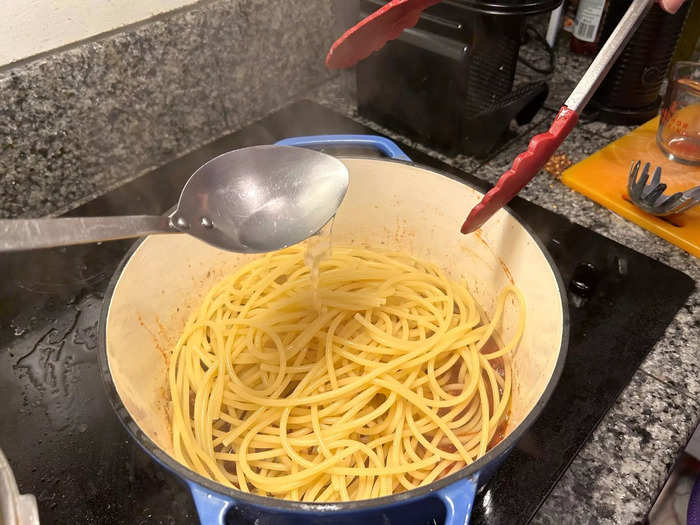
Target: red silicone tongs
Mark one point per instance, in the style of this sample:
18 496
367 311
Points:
371 33
541 147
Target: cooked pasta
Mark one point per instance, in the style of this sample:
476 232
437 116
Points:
380 377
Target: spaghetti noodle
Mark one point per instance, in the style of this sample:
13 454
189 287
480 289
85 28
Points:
391 382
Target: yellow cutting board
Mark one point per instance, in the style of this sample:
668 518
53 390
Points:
603 178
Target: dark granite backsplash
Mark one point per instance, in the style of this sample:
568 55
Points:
77 122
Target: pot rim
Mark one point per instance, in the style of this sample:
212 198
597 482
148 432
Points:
317 508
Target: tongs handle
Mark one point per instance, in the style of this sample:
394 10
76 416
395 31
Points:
372 32
541 147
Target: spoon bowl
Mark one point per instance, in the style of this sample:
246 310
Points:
262 198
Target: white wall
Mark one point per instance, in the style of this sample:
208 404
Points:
29 27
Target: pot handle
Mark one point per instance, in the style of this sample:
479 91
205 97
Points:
458 499
211 507
383 144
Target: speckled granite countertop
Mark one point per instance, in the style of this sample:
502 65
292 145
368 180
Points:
618 474
141 89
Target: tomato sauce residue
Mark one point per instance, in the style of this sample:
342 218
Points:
503 265
501 430
161 329
156 341
499 366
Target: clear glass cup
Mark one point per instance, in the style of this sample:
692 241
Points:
679 127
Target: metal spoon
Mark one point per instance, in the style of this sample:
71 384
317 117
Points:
250 200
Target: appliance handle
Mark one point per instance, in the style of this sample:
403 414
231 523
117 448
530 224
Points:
382 144
211 507
458 499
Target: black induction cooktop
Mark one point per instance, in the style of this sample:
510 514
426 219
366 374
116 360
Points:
67 447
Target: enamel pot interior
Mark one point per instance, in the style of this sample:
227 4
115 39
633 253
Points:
389 204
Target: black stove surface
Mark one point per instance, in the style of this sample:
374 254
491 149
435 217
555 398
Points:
67 447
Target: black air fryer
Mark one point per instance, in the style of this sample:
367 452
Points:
448 81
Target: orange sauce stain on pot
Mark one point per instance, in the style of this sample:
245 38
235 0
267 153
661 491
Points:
503 265
501 430
499 366
154 337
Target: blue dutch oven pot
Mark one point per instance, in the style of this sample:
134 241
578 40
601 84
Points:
450 498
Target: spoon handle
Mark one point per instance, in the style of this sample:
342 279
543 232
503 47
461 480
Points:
31 234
